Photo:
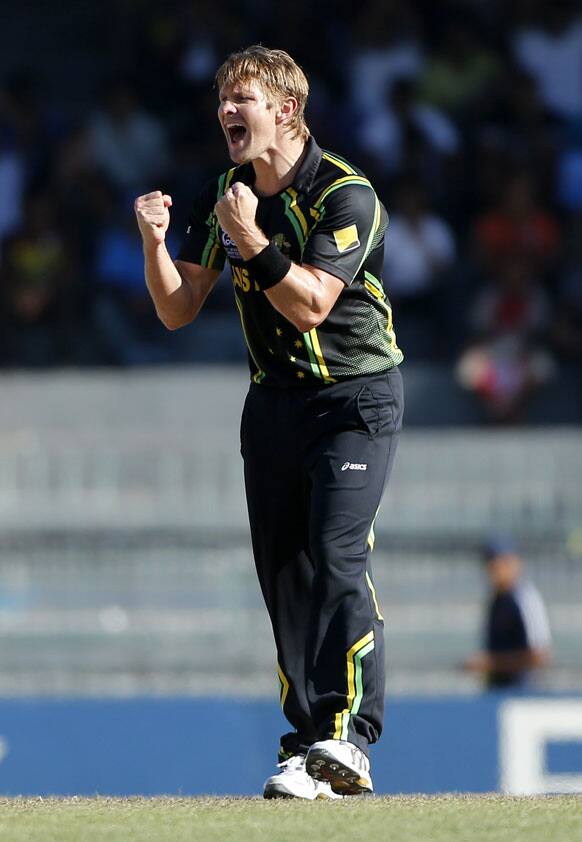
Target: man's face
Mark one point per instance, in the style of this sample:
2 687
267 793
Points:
504 571
247 120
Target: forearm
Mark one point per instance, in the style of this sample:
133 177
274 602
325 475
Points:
301 297
172 297
508 662
524 659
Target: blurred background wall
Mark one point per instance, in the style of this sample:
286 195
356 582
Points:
126 562
125 566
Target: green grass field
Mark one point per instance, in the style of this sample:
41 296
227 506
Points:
410 819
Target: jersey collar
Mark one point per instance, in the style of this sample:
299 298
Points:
306 173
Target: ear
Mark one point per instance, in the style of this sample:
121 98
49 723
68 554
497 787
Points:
286 109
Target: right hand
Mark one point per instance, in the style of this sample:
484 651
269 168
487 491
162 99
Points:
153 216
479 662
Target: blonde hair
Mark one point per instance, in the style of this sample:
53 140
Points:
276 73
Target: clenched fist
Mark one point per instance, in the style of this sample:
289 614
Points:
153 216
236 210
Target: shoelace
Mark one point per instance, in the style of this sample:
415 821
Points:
296 763
359 759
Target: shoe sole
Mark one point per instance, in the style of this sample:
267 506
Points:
323 766
280 792
277 792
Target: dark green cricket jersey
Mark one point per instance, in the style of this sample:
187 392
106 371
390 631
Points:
329 218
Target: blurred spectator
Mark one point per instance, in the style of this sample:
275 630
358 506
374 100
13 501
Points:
523 127
569 170
29 123
35 290
517 226
517 638
461 72
506 359
23 146
127 143
126 324
552 53
86 197
387 48
420 247
12 180
200 58
407 124
567 324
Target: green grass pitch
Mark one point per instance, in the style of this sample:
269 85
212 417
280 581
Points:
452 818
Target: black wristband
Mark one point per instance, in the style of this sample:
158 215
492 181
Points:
269 266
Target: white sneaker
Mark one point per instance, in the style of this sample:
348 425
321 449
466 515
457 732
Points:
294 782
342 764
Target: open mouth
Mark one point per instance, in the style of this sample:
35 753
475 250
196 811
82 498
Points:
236 132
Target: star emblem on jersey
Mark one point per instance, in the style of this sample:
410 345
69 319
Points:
298 343
278 331
346 239
282 244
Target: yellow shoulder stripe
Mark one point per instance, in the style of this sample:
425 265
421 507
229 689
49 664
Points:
342 182
341 164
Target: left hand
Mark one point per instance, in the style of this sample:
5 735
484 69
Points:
236 211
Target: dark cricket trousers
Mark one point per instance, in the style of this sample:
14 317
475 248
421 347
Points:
316 462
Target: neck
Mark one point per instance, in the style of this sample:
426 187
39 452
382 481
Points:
276 168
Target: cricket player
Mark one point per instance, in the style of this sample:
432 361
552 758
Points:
303 232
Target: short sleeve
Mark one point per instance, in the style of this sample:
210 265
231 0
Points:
352 223
201 243
534 616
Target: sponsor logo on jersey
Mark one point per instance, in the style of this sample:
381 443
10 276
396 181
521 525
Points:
346 239
354 466
230 246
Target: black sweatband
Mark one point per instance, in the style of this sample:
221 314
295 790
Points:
269 266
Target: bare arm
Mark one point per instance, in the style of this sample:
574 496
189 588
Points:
178 289
306 294
522 659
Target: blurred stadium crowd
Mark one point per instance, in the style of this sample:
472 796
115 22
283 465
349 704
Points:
467 116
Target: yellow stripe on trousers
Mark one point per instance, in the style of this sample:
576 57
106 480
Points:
284 684
355 685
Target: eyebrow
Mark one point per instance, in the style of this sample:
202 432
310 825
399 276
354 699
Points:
245 93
